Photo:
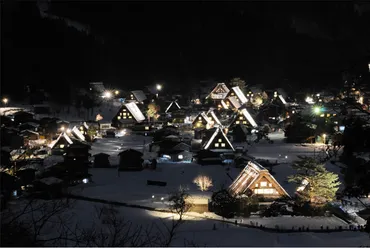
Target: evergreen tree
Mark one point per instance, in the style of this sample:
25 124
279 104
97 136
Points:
321 186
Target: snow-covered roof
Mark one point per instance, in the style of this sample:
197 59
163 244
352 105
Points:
135 111
282 99
139 95
77 133
61 121
212 114
224 105
29 131
85 125
247 115
173 102
234 102
240 94
219 92
251 172
62 135
217 131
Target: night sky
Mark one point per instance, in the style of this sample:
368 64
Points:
134 44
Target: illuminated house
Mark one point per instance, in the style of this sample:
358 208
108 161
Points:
217 142
174 106
136 96
238 94
244 118
256 180
232 103
128 114
219 92
78 134
202 121
62 142
212 117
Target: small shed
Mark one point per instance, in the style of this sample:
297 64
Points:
130 160
101 160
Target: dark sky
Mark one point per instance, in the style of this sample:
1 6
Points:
133 44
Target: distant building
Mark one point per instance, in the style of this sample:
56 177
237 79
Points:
216 141
244 118
219 93
136 96
127 115
201 121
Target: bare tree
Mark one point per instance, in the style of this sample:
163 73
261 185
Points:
203 182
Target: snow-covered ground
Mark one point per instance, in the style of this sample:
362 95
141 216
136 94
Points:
199 231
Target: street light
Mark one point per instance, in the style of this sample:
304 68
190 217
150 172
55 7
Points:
116 92
316 110
107 94
5 100
159 87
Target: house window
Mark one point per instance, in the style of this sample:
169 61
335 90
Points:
244 122
220 140
124 117
256 185
124 114
217 145
146 128
199 118
240 117
270 184
223 145
118 117
263 184
130 117
61 146
264 191
237 122
180 156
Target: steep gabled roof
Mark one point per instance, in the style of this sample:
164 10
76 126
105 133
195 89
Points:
174 103
135 111
282 99
251 173
224 105
61 136
211 113
211 140
77 133
28 131
240 94
204 116
247 115
139 95
221 90
234 102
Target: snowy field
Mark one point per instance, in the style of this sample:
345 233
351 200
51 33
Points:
200 231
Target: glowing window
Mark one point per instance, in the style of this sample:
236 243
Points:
237 122
217 145
264 191
219 140
270 184
199 118
256 185
147 128
240 117
124 114
263 184
118 117
180 156
223 144
130 117
244 122
61 146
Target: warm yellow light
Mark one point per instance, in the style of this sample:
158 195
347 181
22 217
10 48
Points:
5 100
159 87
68 130
62 128
107 94
116 92
324 135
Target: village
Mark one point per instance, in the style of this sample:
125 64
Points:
239 155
